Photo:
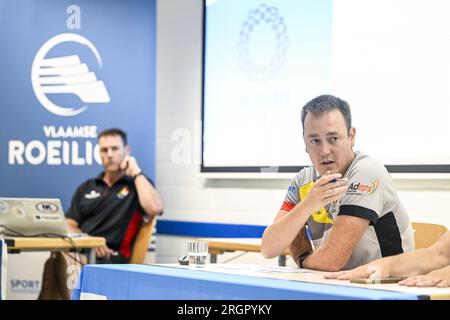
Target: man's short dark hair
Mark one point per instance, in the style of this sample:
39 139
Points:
326 103
114 132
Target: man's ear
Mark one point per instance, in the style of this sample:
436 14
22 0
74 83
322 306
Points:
127 149
351 136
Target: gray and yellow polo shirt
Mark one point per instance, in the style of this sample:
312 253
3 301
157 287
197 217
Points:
370 195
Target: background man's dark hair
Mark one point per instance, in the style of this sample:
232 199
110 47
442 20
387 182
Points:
327 103
114 132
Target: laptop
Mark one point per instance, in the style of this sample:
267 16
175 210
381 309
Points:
32 217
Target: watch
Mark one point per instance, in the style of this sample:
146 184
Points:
137 175
302 258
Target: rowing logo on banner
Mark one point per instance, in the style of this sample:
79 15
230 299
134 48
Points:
66 74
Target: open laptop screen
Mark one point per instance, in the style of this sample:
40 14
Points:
32 217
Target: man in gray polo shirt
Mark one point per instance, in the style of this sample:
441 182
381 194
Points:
346 199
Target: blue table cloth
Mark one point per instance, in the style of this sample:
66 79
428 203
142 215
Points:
137 282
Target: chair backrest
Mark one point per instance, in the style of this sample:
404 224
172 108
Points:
142 240
425 234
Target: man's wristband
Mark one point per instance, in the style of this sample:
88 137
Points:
302 258
137 175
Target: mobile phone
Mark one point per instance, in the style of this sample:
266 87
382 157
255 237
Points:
378 280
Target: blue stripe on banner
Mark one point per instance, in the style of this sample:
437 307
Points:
210 230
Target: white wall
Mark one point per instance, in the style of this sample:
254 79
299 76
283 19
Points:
191 197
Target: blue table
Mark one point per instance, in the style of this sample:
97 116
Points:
137 282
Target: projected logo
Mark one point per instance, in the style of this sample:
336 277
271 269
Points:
66 75
263 43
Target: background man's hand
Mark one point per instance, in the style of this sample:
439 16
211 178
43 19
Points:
129 164
103 252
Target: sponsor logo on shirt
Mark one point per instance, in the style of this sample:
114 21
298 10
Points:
321 216
123 192
92 195
359 189
291 189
